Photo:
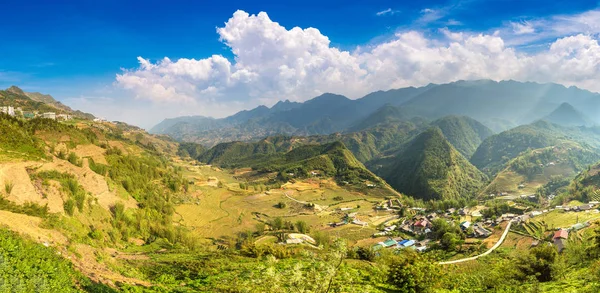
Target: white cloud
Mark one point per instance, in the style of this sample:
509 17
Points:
388 11
522 28
273 63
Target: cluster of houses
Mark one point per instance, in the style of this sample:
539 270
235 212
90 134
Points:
12 111
8 110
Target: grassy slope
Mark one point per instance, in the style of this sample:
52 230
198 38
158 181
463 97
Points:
430 168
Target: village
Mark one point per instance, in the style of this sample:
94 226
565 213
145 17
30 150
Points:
417 229
18 112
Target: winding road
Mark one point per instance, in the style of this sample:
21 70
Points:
483 254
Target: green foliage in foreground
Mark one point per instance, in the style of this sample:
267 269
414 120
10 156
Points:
26 266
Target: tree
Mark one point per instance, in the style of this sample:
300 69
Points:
450 241
539 262
302 227
277 223
414 273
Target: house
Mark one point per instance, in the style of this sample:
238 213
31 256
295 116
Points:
421 225
465 225
390 228
560 238
578 226
406 243
481 232
28 115
535 213
63 117
49 115
388 243
561 234
585 207
8 110
463 212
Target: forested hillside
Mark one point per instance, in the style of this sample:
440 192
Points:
431 168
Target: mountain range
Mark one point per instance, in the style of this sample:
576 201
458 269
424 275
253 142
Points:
498 105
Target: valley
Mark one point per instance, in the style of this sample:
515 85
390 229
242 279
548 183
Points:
122 210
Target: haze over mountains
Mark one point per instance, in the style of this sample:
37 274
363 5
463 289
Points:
498 105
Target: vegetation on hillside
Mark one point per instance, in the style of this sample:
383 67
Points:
430 168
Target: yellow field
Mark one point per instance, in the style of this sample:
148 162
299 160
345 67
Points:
223 210
560 219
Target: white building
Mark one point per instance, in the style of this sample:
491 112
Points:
49 115
10 110
63 117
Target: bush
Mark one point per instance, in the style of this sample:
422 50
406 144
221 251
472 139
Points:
8 187
281 205
74 159
69 207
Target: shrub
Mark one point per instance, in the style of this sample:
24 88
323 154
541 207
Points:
74 159
8 187
69 206
281 205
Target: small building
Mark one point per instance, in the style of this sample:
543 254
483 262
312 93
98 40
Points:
28 115
481 232
465 225
388 243
64 117
8 110
421 225
390 228
560 237
535 213
406 243
578 226
49 115
561 234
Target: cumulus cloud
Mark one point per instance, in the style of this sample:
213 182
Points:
273 63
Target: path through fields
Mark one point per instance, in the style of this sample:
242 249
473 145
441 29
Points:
483 254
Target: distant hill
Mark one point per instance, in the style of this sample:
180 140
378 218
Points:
534 168
385 115
290 160
431 168
512 101
567 115
498 149
498 105
464 133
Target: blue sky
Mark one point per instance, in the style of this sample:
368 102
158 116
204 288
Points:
74 51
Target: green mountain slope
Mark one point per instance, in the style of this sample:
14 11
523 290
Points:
535 168
431 168
498 149
464 133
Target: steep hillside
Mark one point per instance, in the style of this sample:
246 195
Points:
464 133
431 168
567 115
533 169
498 149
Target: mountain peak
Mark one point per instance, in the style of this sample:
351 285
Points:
16 90
567 115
